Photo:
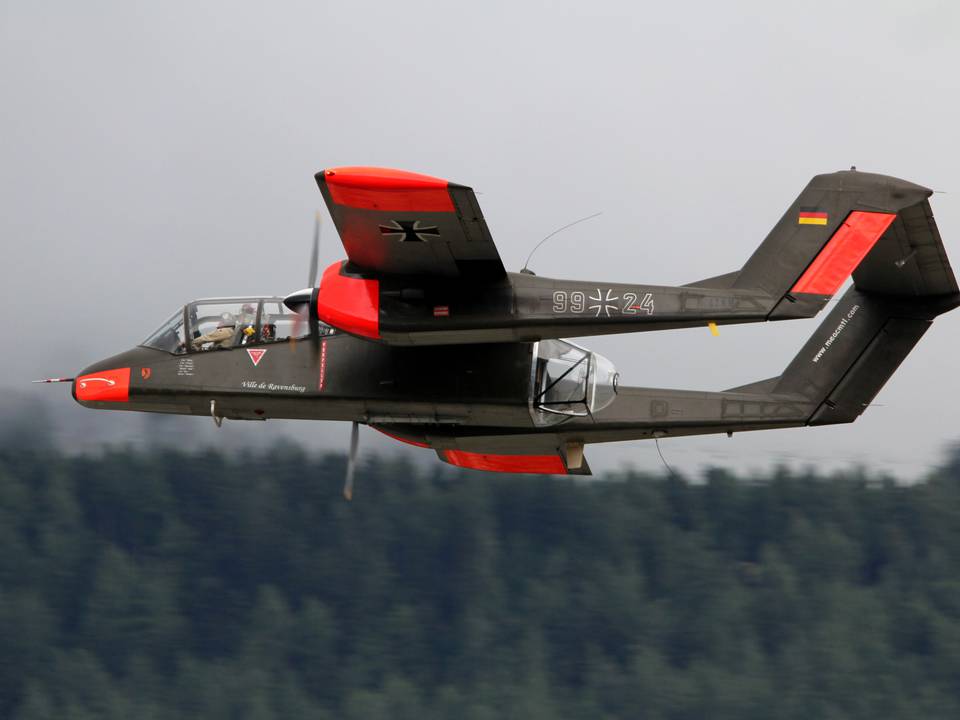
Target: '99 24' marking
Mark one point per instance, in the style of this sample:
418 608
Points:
601 302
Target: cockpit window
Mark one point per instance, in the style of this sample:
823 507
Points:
231 323
170 336
561 378
278 323
569 381
221 325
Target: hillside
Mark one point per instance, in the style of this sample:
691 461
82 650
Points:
204 585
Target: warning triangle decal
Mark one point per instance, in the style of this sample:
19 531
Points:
256 355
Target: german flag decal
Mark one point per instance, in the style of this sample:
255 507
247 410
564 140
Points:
812 217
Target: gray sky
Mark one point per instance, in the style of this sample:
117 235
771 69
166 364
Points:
153 153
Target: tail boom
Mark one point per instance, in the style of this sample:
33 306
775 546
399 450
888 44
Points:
833 379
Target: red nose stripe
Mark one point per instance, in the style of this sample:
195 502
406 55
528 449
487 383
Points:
104 386
371 188
349 304
840 257
542 464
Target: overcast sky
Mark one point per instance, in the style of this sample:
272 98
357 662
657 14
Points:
153 153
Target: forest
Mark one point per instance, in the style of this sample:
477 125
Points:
204 584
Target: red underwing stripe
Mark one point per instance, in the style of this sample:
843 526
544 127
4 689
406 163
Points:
415 443
543 464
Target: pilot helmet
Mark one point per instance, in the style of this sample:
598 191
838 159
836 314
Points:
227 320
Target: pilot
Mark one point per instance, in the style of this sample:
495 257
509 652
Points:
247 323
221 337
268 329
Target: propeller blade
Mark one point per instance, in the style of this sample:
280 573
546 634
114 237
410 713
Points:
351 461
314 326
299 302
315 253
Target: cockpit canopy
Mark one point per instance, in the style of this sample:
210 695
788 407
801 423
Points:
569 380
225 323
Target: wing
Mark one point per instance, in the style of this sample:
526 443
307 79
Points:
394 222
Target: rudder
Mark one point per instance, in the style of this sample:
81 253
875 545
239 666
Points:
825 234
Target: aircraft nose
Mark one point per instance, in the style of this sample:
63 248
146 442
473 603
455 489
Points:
112 385
108 381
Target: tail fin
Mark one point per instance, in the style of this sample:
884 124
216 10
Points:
831 230
855 351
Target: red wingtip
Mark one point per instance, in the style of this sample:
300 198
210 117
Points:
384 189
382 178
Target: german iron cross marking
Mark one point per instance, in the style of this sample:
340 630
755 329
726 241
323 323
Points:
409 231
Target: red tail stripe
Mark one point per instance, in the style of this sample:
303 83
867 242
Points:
841 255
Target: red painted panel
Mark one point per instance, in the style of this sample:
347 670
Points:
103 386
400 439
371 188
349 304
841 255
542 464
